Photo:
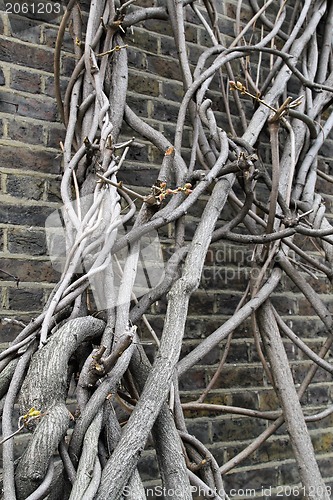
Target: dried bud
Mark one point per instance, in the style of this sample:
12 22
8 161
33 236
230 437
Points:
237 86
169 151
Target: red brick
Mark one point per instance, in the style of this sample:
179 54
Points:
28 270
143 84
238 376
232 428
167 68
49 37
24 158
27 81
143 39
49 87
26 55
25 131
23 28
26 105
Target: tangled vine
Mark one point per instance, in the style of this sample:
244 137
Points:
278 49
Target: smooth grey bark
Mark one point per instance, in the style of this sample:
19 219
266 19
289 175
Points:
292 410
134 489
126 455
135 434
173 471
170 456
88 460
118 87
6 376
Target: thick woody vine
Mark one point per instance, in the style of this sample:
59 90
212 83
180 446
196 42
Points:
100 353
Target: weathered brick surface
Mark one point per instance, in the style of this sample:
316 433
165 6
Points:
17 156
28 55
30 270
25 187
30 167
28 80
24 215
21 299
26 105
25 130
26 241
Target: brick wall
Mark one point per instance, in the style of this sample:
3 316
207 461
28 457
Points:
30 165
30 168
